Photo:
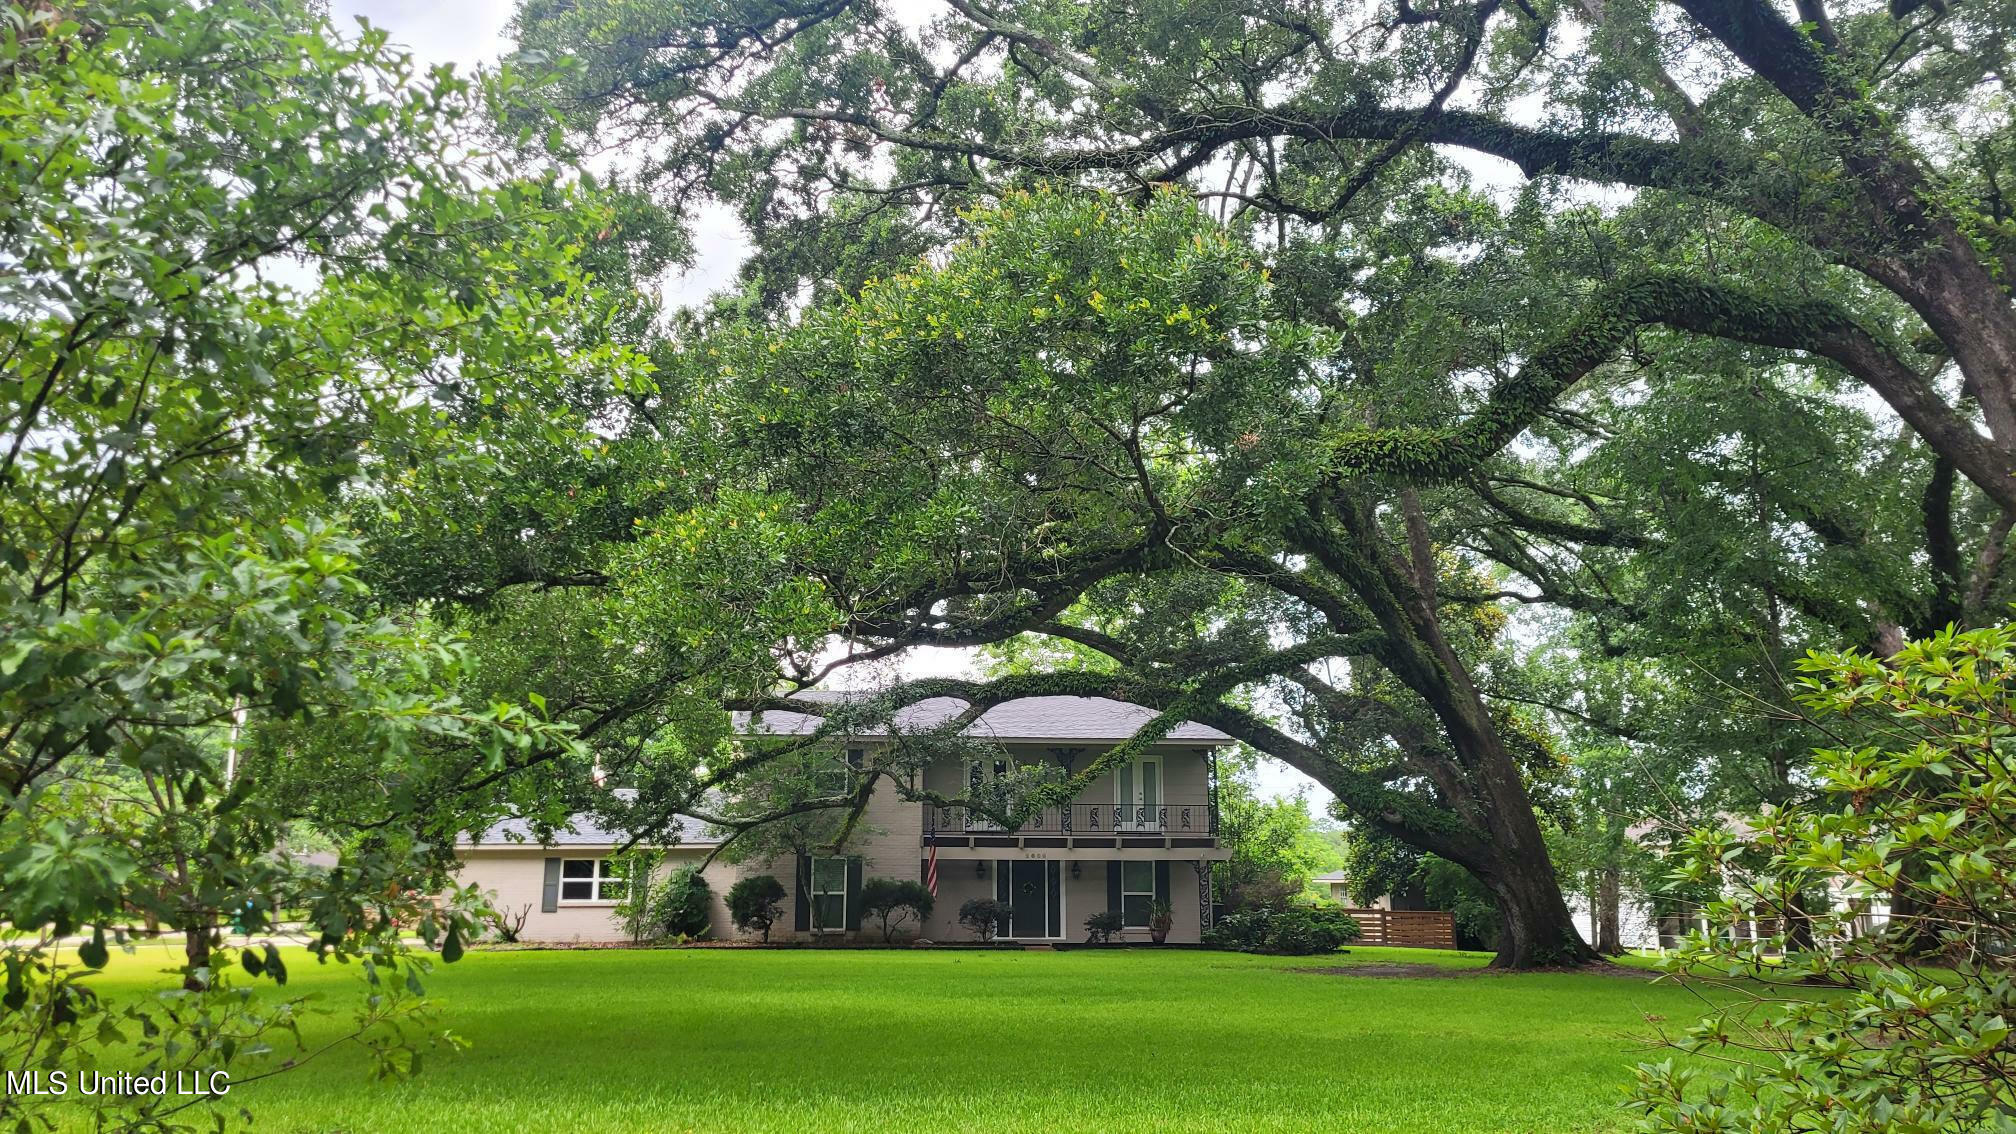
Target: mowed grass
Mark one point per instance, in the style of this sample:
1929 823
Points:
749 1040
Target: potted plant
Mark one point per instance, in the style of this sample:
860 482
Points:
1160 917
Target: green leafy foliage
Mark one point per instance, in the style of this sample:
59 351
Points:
636 910
1897 1026
680 907
892 902
253 261
1737 372
755 903
1296 929
1103 926
1379 865
1276 845
984 916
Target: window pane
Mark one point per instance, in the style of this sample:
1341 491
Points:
1137 877
1151 788
578 891
612 889
829 875
611 868
1134 908
578 868
832 911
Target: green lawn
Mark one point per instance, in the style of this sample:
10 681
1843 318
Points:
994 1041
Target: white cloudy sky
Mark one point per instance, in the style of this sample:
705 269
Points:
470 32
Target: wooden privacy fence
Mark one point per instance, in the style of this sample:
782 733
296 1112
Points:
1413 929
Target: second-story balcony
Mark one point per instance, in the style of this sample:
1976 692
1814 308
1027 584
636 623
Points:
1173 822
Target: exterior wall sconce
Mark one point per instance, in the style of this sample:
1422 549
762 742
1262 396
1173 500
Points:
979 868
1074 870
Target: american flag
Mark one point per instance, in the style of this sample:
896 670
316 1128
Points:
931 863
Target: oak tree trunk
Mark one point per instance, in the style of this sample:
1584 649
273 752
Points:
1472 767
1608 897
1535 929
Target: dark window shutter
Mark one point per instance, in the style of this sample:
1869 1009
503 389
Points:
854 892
1162 882
1113 885
801 907
549 897
1004 892
1056 889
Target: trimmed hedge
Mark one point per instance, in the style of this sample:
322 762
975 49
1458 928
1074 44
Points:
1298 931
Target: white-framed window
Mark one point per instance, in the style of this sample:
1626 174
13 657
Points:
836 775
1137 893
592 881
829 893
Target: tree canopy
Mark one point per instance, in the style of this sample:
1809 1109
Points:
250 261
1479 408
1724 372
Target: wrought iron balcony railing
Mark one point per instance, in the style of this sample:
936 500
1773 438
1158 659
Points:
1173 817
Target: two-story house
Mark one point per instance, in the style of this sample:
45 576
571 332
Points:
1141 834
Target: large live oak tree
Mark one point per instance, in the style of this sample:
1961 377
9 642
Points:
1870 137
1091 423
844 136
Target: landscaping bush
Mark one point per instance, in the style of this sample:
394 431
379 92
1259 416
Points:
509 923
1912 808
1101 926
1295 930
634 911
1247 928
1306 930
1268 890
893 902
679 909
983 916
756 903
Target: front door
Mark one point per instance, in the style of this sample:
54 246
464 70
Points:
1033 898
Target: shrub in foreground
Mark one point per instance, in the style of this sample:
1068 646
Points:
1101 927
983 916
893 902
755 904
1295 930
679 909
1914 808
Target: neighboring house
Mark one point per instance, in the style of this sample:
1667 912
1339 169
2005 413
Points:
1337 884
1143 833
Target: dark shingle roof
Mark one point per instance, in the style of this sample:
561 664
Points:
582 831
1030 718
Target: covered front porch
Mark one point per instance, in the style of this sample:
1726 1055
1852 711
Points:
1050 896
